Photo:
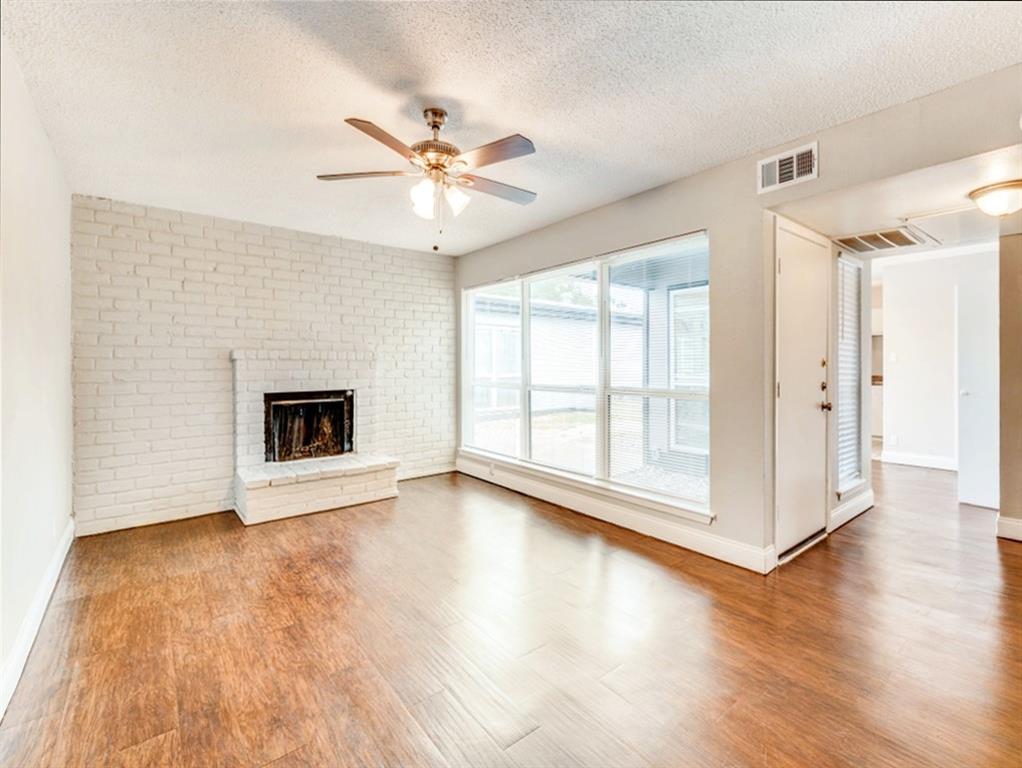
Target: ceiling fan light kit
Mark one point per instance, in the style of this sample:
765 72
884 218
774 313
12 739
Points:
442 168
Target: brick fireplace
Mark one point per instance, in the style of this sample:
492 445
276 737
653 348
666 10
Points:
295 429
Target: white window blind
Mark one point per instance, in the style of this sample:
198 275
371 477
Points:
601 368
658 399
849 373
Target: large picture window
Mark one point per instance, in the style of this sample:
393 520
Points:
600 369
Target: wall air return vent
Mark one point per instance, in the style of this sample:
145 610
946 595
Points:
886 240
791 167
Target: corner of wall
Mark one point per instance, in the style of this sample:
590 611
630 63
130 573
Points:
36 523
1010 278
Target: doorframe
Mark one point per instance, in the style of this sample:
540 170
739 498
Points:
804 232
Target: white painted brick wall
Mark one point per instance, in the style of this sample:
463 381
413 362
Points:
161 298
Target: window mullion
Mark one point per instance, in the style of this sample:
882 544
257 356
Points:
525 430
467 370
580 389
603 374
691 393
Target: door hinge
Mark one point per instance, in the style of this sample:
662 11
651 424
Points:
778 389
778 265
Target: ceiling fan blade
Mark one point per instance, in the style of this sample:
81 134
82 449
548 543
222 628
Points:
498 151
491 187
374 131
364 175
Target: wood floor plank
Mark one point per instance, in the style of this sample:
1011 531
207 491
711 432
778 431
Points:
461 739
161 751
462 624
539 748
366 716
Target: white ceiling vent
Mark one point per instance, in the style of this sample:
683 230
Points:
886 240
787 168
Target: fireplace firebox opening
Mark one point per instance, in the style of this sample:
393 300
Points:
309 425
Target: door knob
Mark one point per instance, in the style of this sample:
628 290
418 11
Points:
826 406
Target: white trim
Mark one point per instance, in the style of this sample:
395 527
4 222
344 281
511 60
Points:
919 460
1009 528
633 511
849 509
581 389
525 371
19 652
603 373
693 393
866 386
852 489
669 505
805 546
108 524
465 372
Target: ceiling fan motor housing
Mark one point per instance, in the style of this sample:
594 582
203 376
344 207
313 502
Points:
437 153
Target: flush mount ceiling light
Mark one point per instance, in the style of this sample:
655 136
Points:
442 168
999 199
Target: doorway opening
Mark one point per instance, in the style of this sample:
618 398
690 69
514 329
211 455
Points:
909 386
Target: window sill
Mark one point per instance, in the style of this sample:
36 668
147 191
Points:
648 500
852 488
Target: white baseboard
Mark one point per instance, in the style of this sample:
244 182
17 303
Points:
633 516
415 474
106 525
931 461
849 509
18 655
1009 528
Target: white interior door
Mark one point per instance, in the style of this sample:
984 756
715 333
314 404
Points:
978 384
802 301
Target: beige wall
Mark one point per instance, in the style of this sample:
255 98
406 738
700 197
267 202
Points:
1011 374
974 117
35 382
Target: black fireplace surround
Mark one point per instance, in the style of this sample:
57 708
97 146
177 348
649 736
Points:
309 425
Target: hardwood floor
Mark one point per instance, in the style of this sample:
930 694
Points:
466 625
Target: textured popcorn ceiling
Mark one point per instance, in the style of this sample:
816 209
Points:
232 108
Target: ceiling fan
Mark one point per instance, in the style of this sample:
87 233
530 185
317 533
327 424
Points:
444 167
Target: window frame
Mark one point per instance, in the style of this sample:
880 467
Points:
603 390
